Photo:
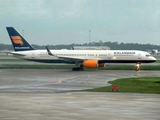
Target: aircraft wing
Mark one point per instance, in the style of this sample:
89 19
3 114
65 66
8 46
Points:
65 57
70 58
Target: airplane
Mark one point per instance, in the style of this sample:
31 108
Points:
81 58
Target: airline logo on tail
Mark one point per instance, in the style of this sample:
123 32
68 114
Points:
17 40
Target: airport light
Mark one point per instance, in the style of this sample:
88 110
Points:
23 33
89 38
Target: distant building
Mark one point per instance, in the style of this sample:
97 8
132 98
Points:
153 51
91 48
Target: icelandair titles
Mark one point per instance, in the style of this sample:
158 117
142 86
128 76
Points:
126 53
22 47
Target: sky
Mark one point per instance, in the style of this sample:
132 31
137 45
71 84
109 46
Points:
52 22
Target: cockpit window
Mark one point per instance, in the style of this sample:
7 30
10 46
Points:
148 55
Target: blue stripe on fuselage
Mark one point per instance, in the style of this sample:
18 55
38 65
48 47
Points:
100 61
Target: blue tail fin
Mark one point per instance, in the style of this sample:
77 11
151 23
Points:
18 42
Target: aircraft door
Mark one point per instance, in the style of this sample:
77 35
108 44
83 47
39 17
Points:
139 56
33 56
109 56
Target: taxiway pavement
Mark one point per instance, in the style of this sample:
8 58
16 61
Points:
46 94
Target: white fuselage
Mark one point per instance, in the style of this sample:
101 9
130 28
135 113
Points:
103 56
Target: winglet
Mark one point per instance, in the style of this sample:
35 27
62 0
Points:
49 52
72 48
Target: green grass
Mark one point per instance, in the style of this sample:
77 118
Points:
133 85
21 66
157 61
12 60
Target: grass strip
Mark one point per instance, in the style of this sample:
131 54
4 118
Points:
13 60
133 85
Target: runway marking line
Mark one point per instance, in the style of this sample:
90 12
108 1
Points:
54 83
59 81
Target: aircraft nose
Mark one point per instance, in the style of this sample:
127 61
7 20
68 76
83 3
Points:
154 58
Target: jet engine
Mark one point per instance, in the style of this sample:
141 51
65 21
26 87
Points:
92 64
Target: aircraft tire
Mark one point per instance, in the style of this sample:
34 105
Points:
137 69
76 69
82 69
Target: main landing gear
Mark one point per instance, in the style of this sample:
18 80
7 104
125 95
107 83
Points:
78 68
137 66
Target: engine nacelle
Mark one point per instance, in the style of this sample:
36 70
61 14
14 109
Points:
92 64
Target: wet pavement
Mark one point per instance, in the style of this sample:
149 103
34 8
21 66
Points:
46 94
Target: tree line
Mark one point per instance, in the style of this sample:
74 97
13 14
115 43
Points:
112 45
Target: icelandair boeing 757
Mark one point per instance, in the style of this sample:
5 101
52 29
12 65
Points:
81 58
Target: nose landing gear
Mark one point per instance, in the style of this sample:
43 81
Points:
137 66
